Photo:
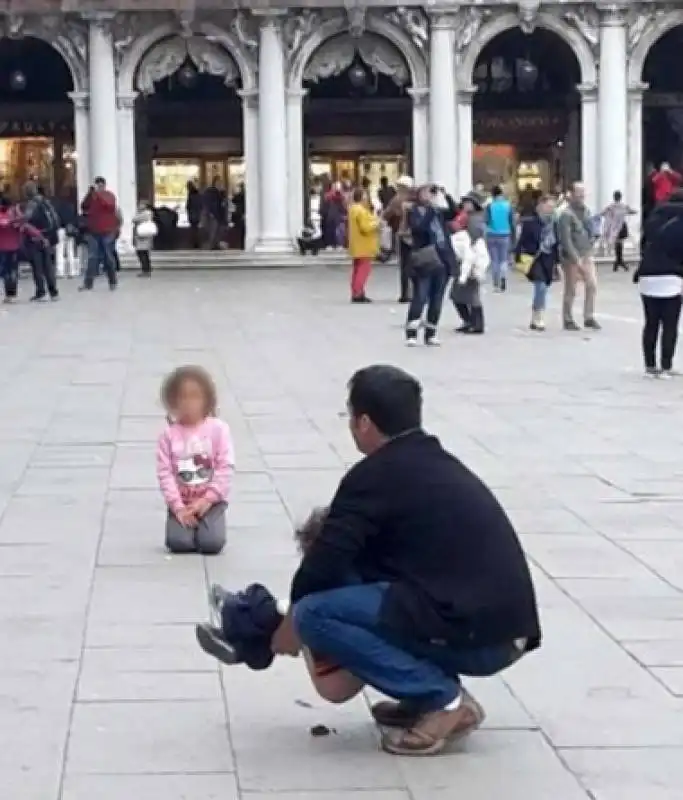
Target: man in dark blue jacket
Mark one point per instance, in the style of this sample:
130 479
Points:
441 586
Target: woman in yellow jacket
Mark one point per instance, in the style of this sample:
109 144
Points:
363 228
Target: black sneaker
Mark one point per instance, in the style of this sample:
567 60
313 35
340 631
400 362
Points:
212 642
38 298
54 297
464 328
592 324
570 325
113 287
84 288
403 300
503 284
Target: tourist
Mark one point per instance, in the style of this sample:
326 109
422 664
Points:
67 262
195 463
14 231
536 252
575 233
396 214
431 261
500 234
473 261
660 280
214 213
363 227
103 223
144 231
664 181
193 209
444 588
239 213
40 214
615 231
333 217
386 192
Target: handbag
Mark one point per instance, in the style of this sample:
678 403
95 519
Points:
425 259
147 229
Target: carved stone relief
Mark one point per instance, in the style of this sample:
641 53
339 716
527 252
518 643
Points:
167 56
528 13
641 19
355 11
298 27
246 31
586 20
414 22
467 25
337 54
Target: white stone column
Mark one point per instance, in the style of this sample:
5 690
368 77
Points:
272 126
102 73
589 143
443 167
420 134
84 174
252 183
612 100
295 159
634 190
128 165
465 139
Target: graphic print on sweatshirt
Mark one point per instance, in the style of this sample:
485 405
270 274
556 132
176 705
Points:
194 461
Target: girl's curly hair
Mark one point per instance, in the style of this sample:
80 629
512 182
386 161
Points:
307 533
173 383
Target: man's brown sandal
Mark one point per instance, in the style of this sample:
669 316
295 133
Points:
390 714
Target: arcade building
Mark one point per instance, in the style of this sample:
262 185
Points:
522 94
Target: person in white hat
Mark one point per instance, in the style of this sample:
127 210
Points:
396 215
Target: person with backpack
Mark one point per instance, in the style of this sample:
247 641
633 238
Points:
40 214
13 229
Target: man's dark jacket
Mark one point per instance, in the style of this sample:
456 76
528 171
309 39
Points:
413 515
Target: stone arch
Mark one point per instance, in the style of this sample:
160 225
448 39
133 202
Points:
660 26
508 21
330 28
143 44
71 52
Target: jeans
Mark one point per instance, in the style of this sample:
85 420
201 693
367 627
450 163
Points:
100 251
344 626
540 295
499 253
404 269
661 313
9 269
42 259
428 290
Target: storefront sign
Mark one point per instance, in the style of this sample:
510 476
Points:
519 127
33 128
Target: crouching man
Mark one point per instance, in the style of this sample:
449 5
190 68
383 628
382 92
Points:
417 576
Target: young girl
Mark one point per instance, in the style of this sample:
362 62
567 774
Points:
195 462
144 231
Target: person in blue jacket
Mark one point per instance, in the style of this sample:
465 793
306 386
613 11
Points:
500 236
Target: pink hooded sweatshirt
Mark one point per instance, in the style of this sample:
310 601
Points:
194 462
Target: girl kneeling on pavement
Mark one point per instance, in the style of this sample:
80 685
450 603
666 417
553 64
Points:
536 254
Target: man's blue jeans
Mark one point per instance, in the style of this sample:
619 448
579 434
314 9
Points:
343 625
428 290
100 251
499 253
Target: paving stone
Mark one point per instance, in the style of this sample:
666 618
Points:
151 787
629 774
149 737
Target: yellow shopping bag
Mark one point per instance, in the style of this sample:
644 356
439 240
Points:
524 263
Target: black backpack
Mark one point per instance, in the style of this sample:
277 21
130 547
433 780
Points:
46 219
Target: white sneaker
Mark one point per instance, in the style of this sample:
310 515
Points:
651 373
665 375
433 342
411 342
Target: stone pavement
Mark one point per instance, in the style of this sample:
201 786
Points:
103 693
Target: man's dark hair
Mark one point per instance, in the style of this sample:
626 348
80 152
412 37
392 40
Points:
358 195
496 191
388 396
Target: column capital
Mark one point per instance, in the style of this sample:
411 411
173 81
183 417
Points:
635 90
588 92
465 94
298 94
442 19
420 96
127 100
80 99
269 17
249 97
613 14
100 19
